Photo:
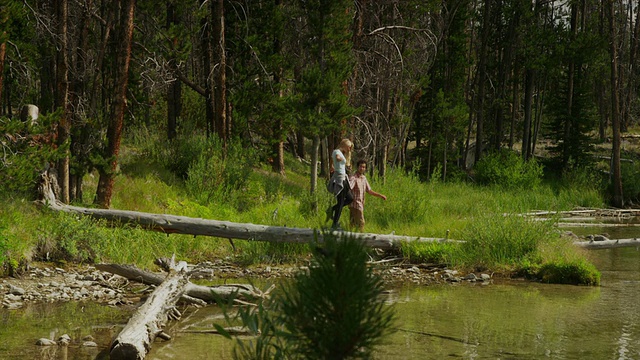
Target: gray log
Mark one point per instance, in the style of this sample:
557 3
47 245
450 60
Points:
134 341
225 229
172 224
608 244
206 293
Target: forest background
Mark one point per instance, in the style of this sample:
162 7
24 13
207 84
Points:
417 85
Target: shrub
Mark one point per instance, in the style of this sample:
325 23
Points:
225 178
27 151
631 180
507 169
332 311
67 237
578 272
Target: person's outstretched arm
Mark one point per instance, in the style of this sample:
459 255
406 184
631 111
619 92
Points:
371 192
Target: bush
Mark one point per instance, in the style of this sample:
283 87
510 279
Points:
507 169
631 180
224 178
332 311
27 151
569 272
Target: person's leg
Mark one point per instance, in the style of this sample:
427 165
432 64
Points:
357 219
329 213
348 195
337 208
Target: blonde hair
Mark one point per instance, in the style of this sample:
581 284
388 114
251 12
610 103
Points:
345 146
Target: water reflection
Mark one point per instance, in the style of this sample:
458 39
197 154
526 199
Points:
518 320
506 320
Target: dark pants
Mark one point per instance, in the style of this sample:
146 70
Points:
344 198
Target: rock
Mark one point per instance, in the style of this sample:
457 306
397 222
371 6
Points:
15 290
64 340
471 277
45 342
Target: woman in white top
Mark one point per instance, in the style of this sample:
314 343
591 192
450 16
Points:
339 183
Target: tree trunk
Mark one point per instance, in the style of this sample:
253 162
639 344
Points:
219 51
617 200
207 59
566 154
62 97
314 163
3 52
174 91
633 72
482 75
114 131
80 133
528 113
300 151
278 149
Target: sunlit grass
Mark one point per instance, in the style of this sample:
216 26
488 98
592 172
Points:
481 215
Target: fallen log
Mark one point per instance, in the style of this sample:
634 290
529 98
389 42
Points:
233 331
598 225
135 339
607 213
172 224
608 244
207 293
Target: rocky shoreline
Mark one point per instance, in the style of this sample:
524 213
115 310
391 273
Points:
48 283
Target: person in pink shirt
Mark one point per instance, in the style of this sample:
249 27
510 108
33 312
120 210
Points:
360 186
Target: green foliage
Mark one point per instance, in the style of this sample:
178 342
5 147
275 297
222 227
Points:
631 181
71 238
497 239
431 252
4 242
571 128
28 150
569 272
181 155
332 311
408 205
507 169
213 175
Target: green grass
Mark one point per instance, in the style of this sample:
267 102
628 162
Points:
255 195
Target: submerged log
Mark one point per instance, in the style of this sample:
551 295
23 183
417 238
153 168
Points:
134 341
206 293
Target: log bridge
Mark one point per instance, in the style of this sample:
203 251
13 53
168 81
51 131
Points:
172 224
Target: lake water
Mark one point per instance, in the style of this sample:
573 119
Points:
506 320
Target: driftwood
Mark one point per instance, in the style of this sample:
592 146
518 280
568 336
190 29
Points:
134 341
206 293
